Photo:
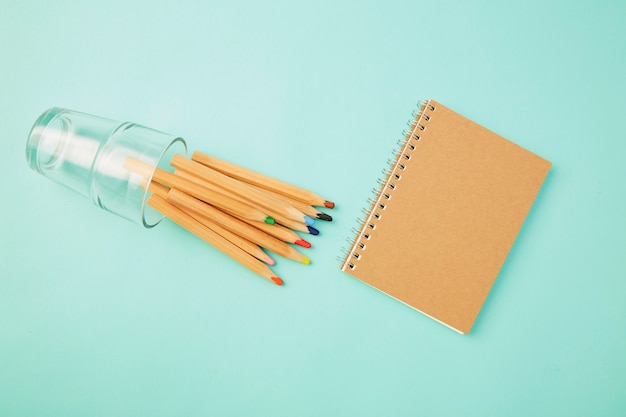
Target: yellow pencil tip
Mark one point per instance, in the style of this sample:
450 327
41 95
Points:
306 261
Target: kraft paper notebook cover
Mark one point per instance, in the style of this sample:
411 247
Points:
446 216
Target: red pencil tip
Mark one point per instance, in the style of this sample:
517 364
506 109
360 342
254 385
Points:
302 243
277 281
329 204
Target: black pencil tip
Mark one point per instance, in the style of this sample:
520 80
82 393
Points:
324 216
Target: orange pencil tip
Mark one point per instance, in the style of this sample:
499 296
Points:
329 204
277 281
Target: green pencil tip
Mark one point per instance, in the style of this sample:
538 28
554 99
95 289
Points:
269 220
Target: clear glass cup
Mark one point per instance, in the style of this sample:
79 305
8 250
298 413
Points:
87 154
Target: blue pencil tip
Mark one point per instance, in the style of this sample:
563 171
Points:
313 230
309 221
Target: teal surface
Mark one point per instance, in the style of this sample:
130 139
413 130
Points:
100 317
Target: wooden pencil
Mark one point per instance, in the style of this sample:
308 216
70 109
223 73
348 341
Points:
237 239
279 232
292 224
241 241
278 218
186 221
250 191
228 184
233 225
261 180
220 200
307 209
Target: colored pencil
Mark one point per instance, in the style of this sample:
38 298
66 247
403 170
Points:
240 212
234 186
279 232
307 209
233 225
239 240
292 224
222 201
278 218
186 221
261 180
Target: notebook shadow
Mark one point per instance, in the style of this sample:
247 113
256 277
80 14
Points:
526 235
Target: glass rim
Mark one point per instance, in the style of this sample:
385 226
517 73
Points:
144 203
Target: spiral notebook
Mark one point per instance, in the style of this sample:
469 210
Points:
446 216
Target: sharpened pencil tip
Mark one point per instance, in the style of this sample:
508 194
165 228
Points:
313 230
324 216
270 261
309 221
329 204
277 281
270 220
302 243
306 261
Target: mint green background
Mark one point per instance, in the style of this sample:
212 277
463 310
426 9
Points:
100 317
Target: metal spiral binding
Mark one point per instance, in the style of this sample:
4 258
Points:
393 176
